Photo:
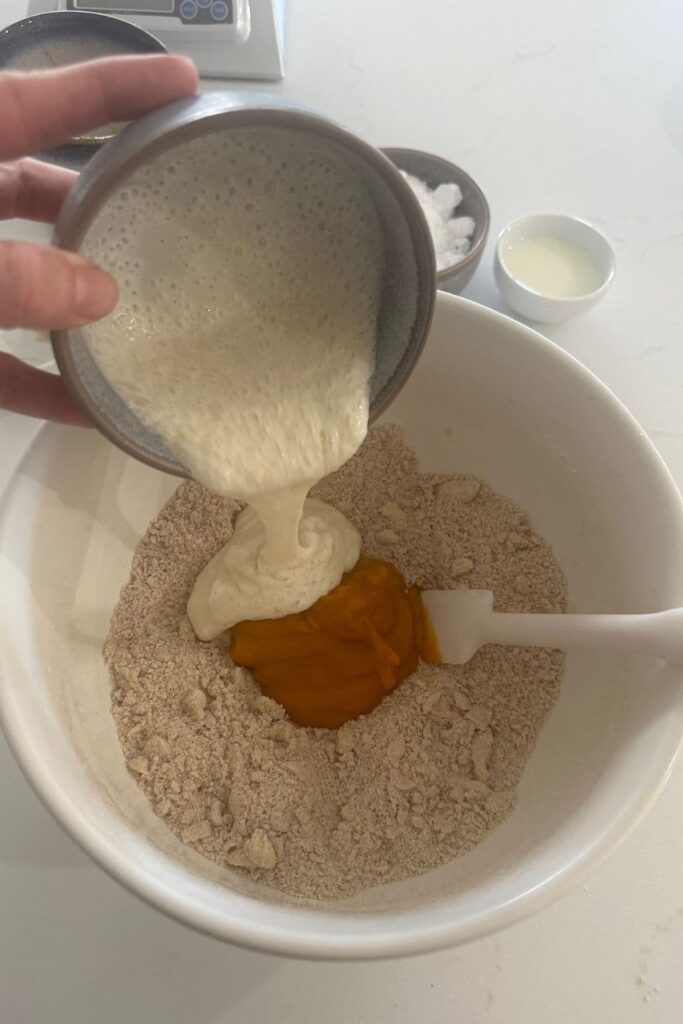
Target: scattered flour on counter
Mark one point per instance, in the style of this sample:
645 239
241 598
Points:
451 235
321 813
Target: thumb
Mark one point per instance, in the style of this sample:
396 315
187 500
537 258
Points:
50 289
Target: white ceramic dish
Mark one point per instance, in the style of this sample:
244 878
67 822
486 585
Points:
533 305
489 396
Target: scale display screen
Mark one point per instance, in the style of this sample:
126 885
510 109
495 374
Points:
126 6
188 12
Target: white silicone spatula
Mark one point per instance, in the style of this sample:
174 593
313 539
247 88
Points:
464 620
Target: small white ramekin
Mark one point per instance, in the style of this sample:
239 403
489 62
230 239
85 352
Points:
533 305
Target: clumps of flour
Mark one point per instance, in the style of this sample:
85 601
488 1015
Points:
452 236
422 779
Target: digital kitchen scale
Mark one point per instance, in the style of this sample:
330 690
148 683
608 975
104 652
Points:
225 38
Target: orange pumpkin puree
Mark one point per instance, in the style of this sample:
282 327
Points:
342 656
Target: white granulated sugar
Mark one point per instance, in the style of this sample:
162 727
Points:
451 235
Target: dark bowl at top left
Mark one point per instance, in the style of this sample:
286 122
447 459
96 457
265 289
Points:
68 37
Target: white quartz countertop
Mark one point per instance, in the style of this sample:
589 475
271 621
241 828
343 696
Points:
572 108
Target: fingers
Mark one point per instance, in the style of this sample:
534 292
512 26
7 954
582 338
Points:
37 393
50 289
34 190
46 108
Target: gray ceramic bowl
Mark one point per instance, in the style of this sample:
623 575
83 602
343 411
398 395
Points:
435 171
52 40
409 279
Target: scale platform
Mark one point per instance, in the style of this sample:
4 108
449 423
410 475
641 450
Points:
225 38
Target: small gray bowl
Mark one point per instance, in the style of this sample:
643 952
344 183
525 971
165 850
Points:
435 171
409 280
58 38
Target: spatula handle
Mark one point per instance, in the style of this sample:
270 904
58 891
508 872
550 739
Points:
659 634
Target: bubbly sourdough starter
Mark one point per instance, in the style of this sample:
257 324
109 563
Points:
249 266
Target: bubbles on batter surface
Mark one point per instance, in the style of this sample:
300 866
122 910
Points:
239 242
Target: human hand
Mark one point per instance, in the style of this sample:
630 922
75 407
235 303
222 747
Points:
46 288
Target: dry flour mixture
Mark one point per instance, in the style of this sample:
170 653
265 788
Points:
422 779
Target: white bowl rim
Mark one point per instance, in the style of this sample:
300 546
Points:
321 941
569 301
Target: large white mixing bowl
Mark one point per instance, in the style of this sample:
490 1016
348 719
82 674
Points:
489 397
